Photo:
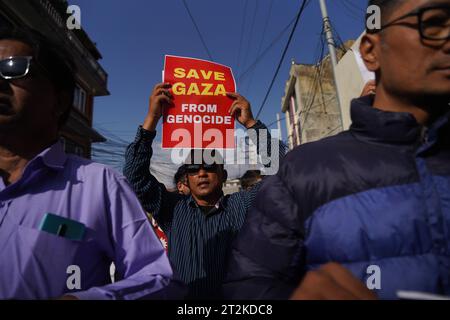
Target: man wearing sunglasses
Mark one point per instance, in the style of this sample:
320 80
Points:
63 219
376 198
199 226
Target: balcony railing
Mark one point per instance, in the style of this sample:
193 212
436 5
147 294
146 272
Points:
52 12
55 16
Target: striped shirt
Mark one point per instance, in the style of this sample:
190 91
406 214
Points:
199 243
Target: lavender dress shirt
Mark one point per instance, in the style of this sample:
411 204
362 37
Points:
35 264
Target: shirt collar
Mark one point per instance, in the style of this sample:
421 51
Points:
53 157
220 204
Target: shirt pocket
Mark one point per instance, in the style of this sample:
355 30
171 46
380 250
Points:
43 260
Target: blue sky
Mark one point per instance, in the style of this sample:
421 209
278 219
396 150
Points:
134 35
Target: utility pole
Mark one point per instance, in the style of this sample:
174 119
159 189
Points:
280 134
332 50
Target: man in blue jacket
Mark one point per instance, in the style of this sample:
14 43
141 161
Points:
375 198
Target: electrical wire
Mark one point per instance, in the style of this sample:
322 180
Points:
198 31
300 12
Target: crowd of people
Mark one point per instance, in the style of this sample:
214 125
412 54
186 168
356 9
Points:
377 194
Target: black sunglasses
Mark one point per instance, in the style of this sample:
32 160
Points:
193 169
433 22
15 67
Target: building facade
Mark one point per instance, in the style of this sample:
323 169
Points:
351 75
310 103
49 18
231 186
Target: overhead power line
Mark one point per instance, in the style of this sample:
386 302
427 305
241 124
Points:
300 11
198 31
265 51
242 35
351 12
274 122
250 34
358 9
263 37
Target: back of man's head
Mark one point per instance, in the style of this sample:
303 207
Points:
250 178
180 175
53 58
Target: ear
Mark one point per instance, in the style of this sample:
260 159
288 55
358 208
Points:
225 175
369 51
187 182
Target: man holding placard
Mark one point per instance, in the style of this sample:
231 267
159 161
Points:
200 227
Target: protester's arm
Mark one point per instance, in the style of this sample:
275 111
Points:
263 140
267 255
153 195
139 258
258 133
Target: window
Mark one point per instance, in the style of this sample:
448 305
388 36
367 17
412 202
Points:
294 130
63 141
79 99
79 151
294 101
71 147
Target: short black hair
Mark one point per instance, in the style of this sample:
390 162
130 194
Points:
180 175
52 56
386 6
250 178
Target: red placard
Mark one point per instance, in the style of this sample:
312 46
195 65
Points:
199 118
